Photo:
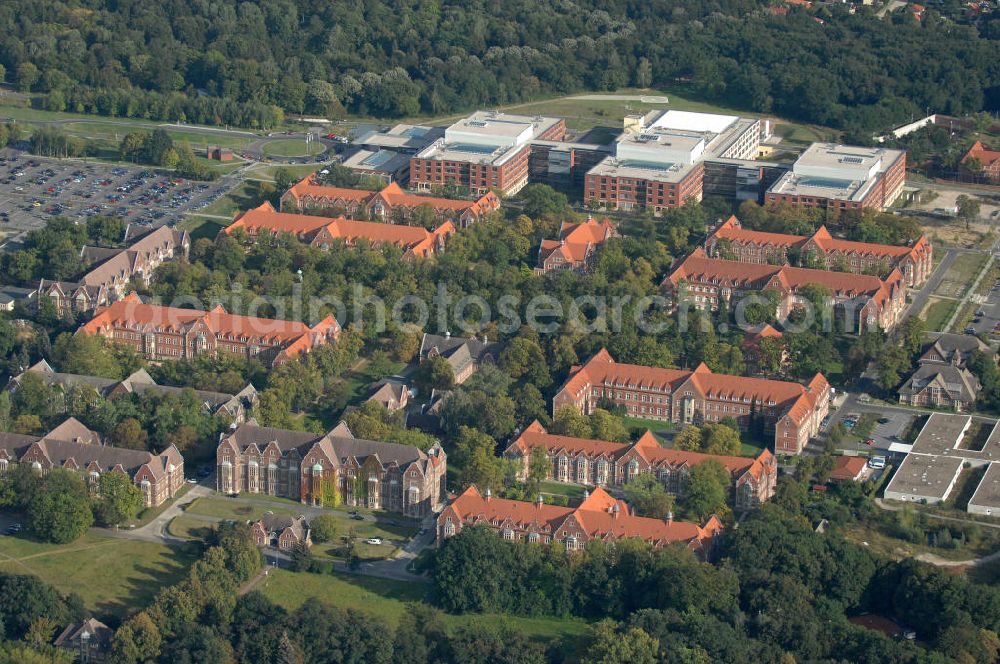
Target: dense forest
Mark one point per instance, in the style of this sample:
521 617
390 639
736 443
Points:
247 63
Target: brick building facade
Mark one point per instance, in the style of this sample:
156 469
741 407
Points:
860 301
576 247
599 517
169 333
603 463
391 204
791 411
73 446
730 240
334 468
111 271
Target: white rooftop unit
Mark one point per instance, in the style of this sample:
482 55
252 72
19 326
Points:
490 129
839 162
659 148
690 121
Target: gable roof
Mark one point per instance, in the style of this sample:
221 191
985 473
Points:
602 369
132 313
732 230
393 195
599 515
577 240
699 267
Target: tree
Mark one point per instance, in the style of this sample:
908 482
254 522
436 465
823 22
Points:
720 439
27 76
301 557
129 433
137 640
87 355
59 510
539 466
283 179
688 439
323 528
541 200
120 498
611 646
968 208
706 490
649 497
27 424
570 422
434 373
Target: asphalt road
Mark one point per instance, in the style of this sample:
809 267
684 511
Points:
920 297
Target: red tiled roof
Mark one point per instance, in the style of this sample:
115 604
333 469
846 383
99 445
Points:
699 267
576 240
595 515
393 195
733 231
265 218
848 468
130 312
987 158
602 368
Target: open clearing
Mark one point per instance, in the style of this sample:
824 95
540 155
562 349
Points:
960 275
937 312
111 575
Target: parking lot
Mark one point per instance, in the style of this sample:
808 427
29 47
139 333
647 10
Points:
987 315
890 427
32 189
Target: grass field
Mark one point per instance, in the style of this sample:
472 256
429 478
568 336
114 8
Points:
200 227
960 275
266 173
937 312
247 195
571 491
388 599
111 575
292 147
187 527
227 508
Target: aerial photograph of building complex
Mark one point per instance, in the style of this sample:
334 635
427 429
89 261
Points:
534 332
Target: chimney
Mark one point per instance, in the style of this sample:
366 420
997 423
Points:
670 517
615 510
489 494
586 494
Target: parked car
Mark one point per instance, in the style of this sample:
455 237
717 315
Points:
358 517
877 462
870 442
883 420
373 540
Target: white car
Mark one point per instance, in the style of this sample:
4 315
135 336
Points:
373 540
877 462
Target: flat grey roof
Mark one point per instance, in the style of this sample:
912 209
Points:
925 476
988 492
383 161
614 167
941 433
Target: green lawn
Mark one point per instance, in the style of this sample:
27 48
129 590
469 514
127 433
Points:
388 599
562 489
112 576
656 426
960 275
937 312
200 227
187 527
363 550
241 198
115 131
292 147
228 508
266 173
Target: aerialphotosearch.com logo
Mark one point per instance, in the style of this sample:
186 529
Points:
471 313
